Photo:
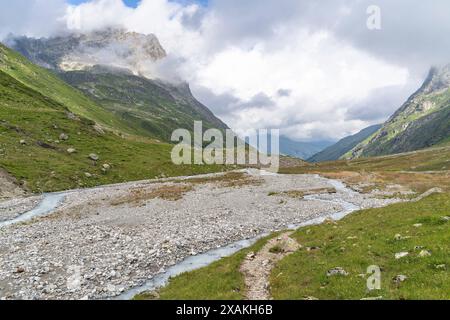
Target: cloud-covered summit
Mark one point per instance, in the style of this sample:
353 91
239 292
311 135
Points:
311 68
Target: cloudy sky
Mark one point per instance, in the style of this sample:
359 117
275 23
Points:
311 68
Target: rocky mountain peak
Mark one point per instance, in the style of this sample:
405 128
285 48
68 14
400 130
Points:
438 79
112 47
419 123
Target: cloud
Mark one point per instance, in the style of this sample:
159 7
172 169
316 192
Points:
34 18
311 68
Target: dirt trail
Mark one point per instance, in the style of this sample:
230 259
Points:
257 267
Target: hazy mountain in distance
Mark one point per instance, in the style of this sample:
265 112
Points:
302 150
343 146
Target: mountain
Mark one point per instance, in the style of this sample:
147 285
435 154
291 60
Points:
343 146
107 66
302 150
112 47
154 108
50 136
423 121
47 83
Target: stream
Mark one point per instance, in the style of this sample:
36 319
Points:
51 201
207 258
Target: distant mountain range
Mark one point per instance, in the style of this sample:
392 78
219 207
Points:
302 150
339 149
423 121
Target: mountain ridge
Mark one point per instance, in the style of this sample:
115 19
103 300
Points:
336 151
412 126
79 51
301 150
139 105
47 147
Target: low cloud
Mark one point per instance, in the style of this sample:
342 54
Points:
311 68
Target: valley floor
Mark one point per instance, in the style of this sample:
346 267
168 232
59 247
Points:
104 241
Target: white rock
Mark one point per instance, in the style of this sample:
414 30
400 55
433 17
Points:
338 271
400 278
424 254
401 255
94 157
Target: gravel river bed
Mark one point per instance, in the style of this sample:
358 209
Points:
101 243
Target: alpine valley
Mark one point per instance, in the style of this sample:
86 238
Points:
92 206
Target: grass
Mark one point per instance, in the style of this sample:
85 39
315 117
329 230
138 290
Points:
416 171
43 164
361 240
365 238
221 280
45 82
432 159
368 238
276 249
150 107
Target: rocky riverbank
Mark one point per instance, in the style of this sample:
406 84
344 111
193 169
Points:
13 208
104 241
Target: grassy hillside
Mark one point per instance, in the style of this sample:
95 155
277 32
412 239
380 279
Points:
152 108
48 84
361 240
431 159
373 237
423 121
343 146
33 150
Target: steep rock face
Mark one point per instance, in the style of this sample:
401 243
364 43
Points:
112 47
421 122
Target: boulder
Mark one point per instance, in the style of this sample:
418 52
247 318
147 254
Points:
94 157
424 254
400 278
398 237
401 255
338 271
